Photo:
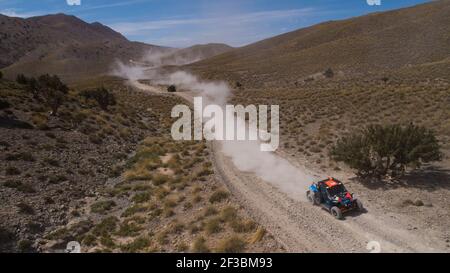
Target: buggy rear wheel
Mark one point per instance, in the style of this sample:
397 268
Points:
336 212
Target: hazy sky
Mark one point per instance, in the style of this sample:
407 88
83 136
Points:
181 23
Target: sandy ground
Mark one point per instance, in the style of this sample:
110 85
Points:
301 227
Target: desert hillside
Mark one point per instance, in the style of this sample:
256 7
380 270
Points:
372 43
195 53
63 45
73 49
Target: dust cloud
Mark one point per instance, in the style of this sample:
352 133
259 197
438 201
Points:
246 155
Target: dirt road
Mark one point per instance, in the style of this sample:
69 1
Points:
301 227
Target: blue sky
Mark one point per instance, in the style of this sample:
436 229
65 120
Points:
181 23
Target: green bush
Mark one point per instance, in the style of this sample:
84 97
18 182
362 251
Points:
106 226
107 242
21 79
142 197
243 226
218 196
102 96
199 246
26 188
89 240
12 171
49 88
329 73
4 104
129 230
102 206
25 245
25 156
380 151
6 236
137 245
213 226
208 211
228 214
53 82
25 208
52 90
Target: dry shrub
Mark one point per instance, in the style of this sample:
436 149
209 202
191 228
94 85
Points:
233 244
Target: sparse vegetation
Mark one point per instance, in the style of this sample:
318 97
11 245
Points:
218 196
4 104
228 214
138 245
329 73
212 226
25 208
12 171
102 206
243 226
25 245
49 88
199 245
162 188
129 230
15 184
22 79
233 244
106 226
101 95
159 204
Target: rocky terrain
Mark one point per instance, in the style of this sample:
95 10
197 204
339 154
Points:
112 179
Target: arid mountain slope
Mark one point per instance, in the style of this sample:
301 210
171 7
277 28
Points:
372 43
62 44
196 53
67 46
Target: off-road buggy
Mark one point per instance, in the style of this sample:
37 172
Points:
332 196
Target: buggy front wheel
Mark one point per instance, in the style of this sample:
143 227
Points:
336 212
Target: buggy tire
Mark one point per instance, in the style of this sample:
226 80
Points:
336 212
359 206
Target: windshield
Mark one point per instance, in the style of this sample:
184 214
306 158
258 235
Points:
337 190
